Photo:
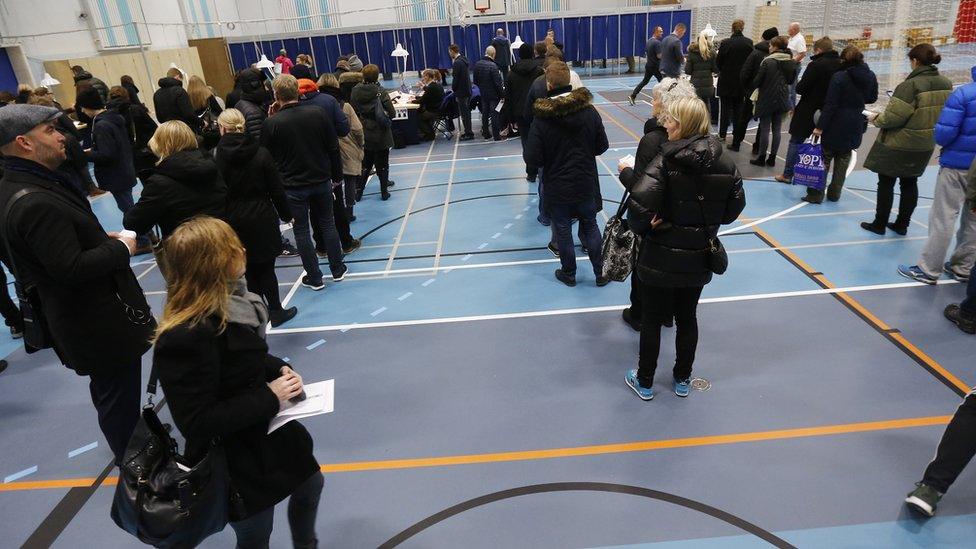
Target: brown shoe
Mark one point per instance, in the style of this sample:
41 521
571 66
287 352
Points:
96 192
783 179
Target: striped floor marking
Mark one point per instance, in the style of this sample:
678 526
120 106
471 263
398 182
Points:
20 474
83 449
317 344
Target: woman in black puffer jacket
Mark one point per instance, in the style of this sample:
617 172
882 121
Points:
677 206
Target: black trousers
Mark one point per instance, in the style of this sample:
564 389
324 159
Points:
426 124
658 303
741 123
728 114
262 280
956 449
636 295
117 396
464 109
303 506
9 310
379 158
886 197
650 70
341 217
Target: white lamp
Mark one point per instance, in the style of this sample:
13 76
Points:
709 31
400 52
518 42
263 63
49 81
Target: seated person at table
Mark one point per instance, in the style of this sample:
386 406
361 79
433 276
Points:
430 103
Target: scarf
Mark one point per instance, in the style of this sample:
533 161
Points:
247 309
62 178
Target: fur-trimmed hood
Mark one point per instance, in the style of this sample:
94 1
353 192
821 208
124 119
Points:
353 77
563 105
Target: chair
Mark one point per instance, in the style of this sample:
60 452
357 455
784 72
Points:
447 112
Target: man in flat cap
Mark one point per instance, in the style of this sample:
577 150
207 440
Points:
73 275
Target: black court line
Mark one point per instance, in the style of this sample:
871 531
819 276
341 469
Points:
691 504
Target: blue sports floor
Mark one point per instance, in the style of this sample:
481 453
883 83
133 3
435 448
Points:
480 403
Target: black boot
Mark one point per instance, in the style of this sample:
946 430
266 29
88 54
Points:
384 183
899 227
759 160
281 316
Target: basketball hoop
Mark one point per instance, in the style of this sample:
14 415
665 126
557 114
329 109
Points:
482 10
482 6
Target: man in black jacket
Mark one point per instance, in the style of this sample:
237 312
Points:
566 137
653 66
97 317
304 144
171 101
489 81
749 70
812 89
518 82
503 51
461 86
732 55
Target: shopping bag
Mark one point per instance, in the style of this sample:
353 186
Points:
809 169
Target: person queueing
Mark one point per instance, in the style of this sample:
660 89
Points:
255 203
221 382
503 51
567 136
749 70
963 315
906 142
518 82
652 68
731 56
701 67
378 137
489 81
676 207
351 150
773 79
207 109
461 86
956 133
97 316
663 94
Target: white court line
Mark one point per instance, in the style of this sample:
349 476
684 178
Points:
447 204
390 245
561 312
406 217
764 219
144 273
291 292
480 158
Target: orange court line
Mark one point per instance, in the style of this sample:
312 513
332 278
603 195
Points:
617 122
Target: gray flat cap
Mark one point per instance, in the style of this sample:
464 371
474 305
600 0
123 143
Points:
18 119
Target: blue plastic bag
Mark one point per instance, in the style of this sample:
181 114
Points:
810 169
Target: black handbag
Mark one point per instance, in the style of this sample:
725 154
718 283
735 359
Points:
620 245
162 501
716 258
37 336
379 113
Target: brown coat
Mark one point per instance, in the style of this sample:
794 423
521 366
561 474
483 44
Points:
351 146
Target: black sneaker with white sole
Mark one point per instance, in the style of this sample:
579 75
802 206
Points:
553 250
313 284
342 273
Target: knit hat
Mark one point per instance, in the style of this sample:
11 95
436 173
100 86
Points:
526 51
306 86
19 119
89 98
343 64
355 63
770 33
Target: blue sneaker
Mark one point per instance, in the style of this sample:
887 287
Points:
645 393
915 273
682 388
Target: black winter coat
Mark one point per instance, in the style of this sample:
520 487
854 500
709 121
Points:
432 98
133 92
461 77
537 90
503 51
812 89
304 144
81 274
566 137
776 73
184 185
303 71
841 118
216 386
171 102
363 100
489 80
732 55
702 72
85 79
254 116
111 152
655 136
518 82
255 196
674 254
751 67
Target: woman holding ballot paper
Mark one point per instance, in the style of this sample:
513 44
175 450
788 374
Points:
224 387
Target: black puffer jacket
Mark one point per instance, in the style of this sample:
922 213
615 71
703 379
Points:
255 196
732 55
185 184
111 152
812 89
363 100
751 67
776 73
701 71
566 137
488 78
85 79
655 136
841 118
252 101
674 254
171 102
518 82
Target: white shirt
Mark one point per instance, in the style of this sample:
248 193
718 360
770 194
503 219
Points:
798 44
574 80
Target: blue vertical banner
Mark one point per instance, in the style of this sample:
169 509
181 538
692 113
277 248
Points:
627 24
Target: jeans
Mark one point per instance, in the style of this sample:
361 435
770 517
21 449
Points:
125 203
650 70
771 124
886 197
117 396
262 280
489 118
301 200
950 205
543 214
792 155
729 115
562 222
464 109
968 305
660 304
255 532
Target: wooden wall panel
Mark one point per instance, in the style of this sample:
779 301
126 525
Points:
217 68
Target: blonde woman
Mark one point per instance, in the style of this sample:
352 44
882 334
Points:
206 108
688 191
256 202
700 65
185 183
221 383
303 67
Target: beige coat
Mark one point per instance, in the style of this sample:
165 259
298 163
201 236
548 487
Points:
351 146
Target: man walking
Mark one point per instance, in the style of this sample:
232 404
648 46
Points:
672 54
98 321
732 55
304 144
503 51
566 137
489 81
653 66
461 86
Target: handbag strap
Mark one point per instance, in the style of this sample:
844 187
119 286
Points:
623 203
6 217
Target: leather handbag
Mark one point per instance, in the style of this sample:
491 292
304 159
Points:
163 501
37 336
620 245
379 113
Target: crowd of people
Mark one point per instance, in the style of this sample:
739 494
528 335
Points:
219 177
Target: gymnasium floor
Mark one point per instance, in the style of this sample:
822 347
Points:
480 403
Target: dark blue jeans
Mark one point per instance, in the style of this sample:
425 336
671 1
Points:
968 305
792 155
303 505
301 200
543 215
562 222
125 203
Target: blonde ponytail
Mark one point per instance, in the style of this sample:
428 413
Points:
232 120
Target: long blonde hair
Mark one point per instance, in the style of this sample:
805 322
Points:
199 93
203 258
172 137
691 114
232 120
704 45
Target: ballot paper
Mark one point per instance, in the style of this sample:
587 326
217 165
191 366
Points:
628 161
319 399
500 106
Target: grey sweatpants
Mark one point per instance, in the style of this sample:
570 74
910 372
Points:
950 200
